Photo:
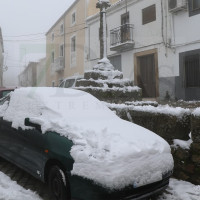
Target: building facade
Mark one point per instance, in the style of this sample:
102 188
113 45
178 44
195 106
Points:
65 44
155 43
41 73
66 39
28 77
1 58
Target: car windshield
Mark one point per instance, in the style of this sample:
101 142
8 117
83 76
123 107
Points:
69 83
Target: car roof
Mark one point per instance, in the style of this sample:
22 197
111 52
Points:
73 77
7 89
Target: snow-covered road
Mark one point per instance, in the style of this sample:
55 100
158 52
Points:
177 190
181 190
10 190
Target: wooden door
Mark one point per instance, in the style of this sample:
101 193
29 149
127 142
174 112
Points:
147 75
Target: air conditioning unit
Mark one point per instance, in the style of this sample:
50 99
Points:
177 5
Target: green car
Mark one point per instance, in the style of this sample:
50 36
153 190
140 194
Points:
82 150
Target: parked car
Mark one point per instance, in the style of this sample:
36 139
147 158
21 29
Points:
4 91
70 82
83 150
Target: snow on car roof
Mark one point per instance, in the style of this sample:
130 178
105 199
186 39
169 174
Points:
112 152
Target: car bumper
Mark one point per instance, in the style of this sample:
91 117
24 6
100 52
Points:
83 189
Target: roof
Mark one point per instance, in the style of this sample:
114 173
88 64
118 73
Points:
63 15
1 39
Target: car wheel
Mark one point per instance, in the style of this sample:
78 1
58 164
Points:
57 183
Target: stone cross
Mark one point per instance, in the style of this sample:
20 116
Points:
103 5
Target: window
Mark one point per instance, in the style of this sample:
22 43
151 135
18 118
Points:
62 50
195 4
194 7
73 51
73 44
61 28
69 83
52 57
73 18
125 18
192 71
125 32
149 14
52 37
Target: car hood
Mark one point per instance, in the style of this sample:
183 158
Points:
120 153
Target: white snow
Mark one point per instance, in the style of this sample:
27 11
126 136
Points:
181 190
161 109
121 152
10 190
196 112
183 144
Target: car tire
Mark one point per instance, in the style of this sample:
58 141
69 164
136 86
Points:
58 185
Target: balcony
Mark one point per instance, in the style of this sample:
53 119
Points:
58 64
121 38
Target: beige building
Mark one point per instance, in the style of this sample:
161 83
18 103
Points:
66 53
28 77
1 59
65 44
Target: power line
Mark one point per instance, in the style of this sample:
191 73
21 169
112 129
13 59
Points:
37 39
33 34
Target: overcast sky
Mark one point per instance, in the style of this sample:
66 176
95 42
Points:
31 18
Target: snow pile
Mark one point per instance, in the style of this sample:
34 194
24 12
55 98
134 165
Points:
161 109
183 144
104 64
196 112
121 152
181 190
10 190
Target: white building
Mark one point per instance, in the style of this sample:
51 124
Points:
156 43
1 58
28 77
41 73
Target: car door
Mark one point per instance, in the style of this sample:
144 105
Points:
34 153
10 147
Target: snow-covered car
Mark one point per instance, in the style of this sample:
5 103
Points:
72 141
70 82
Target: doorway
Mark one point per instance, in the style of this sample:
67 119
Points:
146 73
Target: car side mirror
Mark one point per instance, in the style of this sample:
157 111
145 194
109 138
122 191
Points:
34 125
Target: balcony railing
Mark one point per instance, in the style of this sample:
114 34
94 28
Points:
121 38
58 64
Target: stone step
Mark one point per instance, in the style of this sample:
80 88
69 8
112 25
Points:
104 75
120 95
104 83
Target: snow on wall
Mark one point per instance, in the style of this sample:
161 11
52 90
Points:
162 109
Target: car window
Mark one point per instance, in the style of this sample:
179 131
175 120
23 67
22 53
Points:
4 99
4 93
62 84
69 83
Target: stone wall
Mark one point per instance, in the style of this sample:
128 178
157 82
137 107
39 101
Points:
167 126
187 161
